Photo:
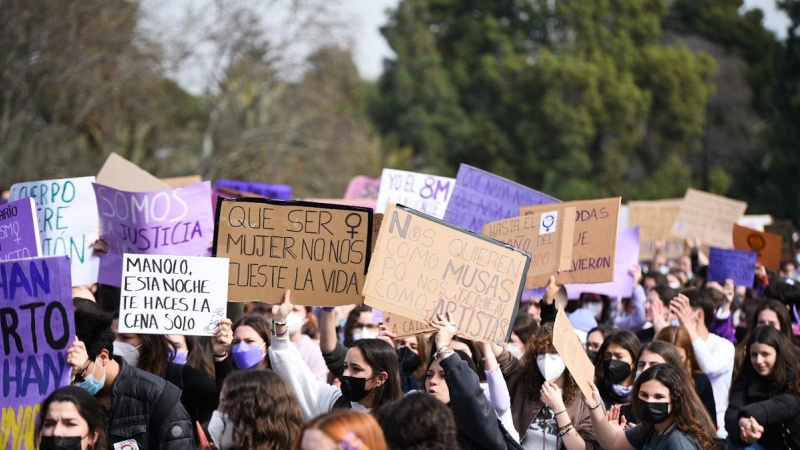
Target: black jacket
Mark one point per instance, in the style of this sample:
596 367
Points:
138 411
778 413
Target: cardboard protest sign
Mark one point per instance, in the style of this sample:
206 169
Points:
736 265
403 326
267 190
19 230
361 203
569 347
426 193
655 219
593 243
756 221
708 217
169 222
363 187
172 294
627 256
38 328
547 236
766 245
175 182
423 266
481 197
319 251
784 229
68 224
119 173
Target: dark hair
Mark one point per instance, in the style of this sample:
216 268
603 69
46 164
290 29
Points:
690 416
93 328
476 354
263 409
716 296
261 327
780 310
660 278
786 371
525 327
464 357
666 351
627 341
154 354
419 422
605 316
197 356
605 330
381 357
350 323
699 299
88 407
665 293
530 377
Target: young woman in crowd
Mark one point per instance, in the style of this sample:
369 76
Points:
524 329
189 350
411 352
767 312
765 396
72 419
614 368
371 376
418 421
358 325
595 338
257 410
671 415
341 430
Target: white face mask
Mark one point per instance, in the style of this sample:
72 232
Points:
515 351
127 352
595 308
365 333
551 366
674 285
220 428
294 324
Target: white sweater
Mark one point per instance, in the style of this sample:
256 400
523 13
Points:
715 356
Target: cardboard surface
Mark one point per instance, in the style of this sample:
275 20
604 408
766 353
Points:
266 190
708 217
423 266
363 187
319 251
766 245
172 294
119 173
756 222
569 347
655 219
66 210
593 242
183 181
480 197
19 230
551 251
784 229
361 203
736 265
627 256
426 193
403 326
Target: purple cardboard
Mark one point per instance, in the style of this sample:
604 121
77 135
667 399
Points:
736 265
273 191
19 230
170 222
480 197
627 256
36 305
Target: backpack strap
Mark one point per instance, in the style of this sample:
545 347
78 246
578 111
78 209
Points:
170 396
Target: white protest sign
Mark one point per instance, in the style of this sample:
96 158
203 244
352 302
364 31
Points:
172 294
425 193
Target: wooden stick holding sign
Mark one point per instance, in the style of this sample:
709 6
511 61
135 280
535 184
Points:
569 347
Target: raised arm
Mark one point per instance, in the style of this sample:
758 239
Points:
610 438
498 390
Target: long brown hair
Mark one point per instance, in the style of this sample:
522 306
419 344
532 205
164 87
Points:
679 337
197 356
154 354
381 357
348 429
539 344
786 371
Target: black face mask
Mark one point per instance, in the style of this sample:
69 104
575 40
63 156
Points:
408 360
740 333
616 371
60 443
654 412
591 354
354 389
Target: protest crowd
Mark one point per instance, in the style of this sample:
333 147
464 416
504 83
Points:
480 315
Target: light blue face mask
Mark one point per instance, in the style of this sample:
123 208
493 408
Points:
675 323
91 385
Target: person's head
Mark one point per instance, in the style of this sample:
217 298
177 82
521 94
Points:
652 279
412 365
72 414
341 429
468 348
679 337
685 265
597 304
419 422
770 354
359 325
615 359
747 311
93 328
262 408
435 381
371 375
189 350
774 314
676 278
663 394
524 329
702 306
657 352
595 338
543 363
251 340
296 320
535 309
149 352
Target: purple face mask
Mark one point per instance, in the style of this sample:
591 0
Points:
247 356
178 358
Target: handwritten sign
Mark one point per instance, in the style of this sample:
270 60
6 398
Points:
172 294
756 221
784 229
708 217
169 222
19 230
423 266
273 191
426 193
593 243
119 173
627 256
68 225
766 245
403 326
655 219
38 328
319 251
481 197
736 265
569 347
363 187
547 236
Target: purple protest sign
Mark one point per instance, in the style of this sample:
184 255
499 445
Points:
170 222
480 197
19 230
273 191
363 187
627 256
38 328
736 265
